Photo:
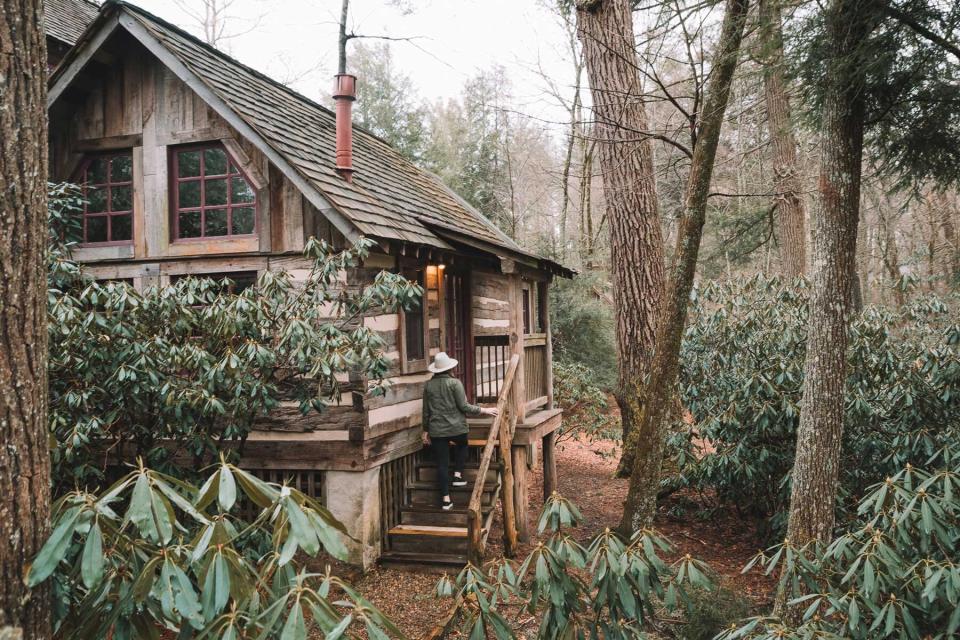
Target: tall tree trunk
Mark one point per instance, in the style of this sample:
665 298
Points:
786 167
605 29
24 450
650 435
817 465
343 38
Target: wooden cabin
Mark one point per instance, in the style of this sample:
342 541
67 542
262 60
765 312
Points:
196 164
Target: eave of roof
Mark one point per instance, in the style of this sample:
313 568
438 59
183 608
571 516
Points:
66 20
390 198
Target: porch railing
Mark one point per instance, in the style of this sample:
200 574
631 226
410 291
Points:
492 355
535 377
500 433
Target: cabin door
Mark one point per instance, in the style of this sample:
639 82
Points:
456 292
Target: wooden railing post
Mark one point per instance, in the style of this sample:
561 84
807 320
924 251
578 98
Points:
548 359
508 499
474 511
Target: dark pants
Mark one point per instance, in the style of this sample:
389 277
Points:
440 447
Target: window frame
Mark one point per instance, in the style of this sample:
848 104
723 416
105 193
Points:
173 166
417 272
81 175
220 275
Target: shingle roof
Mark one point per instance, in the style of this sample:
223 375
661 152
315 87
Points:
390 197
66 20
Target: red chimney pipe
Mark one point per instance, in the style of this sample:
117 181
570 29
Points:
344 93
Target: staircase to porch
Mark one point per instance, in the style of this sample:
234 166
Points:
429 536
426 535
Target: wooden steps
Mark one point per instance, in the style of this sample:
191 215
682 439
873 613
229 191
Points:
427 537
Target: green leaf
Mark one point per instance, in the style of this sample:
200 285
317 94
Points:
54 549
92 561
339 630
295 628
227 495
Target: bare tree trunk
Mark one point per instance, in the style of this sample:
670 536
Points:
605 29
786 168
575 137
817 465
343 38
24 448
650 435
586 205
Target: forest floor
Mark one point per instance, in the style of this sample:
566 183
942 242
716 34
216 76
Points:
585 469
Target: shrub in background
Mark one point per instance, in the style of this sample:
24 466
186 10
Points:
742 376
587 408
712 612
583 327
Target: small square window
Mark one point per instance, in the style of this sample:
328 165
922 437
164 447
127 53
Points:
108 198
211 196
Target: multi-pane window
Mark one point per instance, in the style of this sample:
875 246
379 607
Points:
108 198
211 196
414 322
239 280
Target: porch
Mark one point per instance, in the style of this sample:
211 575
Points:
503 452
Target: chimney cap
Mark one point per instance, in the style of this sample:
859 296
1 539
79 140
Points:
344 86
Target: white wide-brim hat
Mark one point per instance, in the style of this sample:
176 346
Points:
442 362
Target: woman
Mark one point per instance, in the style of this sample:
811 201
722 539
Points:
445 411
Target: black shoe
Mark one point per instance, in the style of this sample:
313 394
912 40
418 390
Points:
447 505
458 481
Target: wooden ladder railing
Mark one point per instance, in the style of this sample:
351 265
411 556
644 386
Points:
501 431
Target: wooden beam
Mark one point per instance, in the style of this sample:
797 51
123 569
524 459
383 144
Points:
515 292
113 142
83 55
510 534
545 325
520 485
536 403
549 465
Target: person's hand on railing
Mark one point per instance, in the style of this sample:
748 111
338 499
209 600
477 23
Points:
492 412
426 438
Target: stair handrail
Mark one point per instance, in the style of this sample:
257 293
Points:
498 429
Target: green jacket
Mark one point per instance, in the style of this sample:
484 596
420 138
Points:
445 407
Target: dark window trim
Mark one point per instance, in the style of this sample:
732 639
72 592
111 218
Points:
220 275
418 364
173 164
81 173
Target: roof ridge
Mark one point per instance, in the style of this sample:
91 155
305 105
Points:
232 60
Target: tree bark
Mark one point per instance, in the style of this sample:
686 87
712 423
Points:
817 464
343 38
650 434
786 167
605 29
24 450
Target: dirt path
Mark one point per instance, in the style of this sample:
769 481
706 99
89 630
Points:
725 542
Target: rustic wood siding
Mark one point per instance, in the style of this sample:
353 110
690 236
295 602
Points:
138 103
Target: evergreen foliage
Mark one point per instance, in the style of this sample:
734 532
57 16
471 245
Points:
610 588
153 554
742 379
892 573
909 79
582 323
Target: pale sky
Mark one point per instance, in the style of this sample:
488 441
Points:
297 39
